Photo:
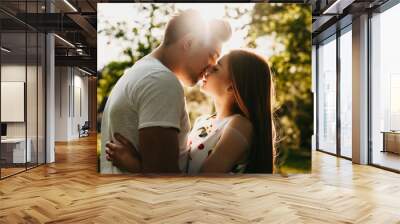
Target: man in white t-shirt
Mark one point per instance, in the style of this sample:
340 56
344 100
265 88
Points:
147 104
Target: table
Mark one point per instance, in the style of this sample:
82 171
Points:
15 148
391 141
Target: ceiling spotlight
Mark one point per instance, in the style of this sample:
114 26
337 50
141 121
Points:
80 51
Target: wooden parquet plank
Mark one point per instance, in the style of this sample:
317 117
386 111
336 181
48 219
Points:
71 191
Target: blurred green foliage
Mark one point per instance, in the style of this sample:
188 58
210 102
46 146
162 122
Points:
288 24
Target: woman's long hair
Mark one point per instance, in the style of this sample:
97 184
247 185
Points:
254 95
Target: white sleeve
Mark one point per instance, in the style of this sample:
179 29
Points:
159 101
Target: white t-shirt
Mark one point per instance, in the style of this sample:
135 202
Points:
147 95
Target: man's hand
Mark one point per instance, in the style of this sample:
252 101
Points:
123 154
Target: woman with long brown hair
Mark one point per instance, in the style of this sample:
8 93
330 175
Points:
240 136
253 87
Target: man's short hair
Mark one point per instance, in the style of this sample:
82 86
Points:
190 21
220 30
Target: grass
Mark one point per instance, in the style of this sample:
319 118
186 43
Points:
296 161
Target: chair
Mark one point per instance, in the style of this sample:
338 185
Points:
84 130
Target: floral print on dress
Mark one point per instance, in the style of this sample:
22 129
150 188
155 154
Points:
203 132
201 143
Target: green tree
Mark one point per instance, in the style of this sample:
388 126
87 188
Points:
289 25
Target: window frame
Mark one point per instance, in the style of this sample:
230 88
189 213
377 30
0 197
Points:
346 27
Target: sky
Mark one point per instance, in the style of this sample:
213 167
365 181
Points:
129 11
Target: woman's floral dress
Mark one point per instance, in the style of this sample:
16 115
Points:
202 140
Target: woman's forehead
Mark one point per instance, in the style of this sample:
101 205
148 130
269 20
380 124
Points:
223 59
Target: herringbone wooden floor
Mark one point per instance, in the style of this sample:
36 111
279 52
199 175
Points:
71 191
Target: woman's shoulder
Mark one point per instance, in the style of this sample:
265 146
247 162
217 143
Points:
241 124
240 121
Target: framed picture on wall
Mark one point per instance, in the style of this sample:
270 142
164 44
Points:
12 101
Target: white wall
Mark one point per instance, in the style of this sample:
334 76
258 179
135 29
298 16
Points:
16 72
33 126
61 103
71 93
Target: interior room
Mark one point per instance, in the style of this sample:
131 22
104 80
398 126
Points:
49 145
22 100
335 80
42 77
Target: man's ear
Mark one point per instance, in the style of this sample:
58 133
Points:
188 41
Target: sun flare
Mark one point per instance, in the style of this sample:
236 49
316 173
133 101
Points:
211 11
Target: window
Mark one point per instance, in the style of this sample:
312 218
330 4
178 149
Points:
385 89
327 95
346 92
